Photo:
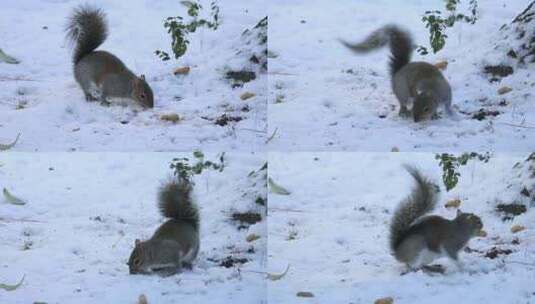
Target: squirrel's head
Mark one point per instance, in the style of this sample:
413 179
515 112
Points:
137 262
424 106
142 92
470 221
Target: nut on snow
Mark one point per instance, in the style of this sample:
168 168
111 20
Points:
504 90
142 299
454 203
174 118
387 300
442 65
247 95
181 71
517 228
252 237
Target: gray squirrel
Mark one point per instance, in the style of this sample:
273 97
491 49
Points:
175 244
101 74
417 240
419 86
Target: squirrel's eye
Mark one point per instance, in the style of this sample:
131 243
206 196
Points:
142 96
137 262
426 109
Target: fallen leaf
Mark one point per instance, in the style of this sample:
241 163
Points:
305 294
4 147
276 188
504 90
13 199
12 287
247 95
8 59
276 277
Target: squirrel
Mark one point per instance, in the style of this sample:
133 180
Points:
417 240
101 74
419 86
175 244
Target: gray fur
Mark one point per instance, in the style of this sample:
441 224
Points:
417 240
421 201
174 201
419 87
434 236
100 74
175 244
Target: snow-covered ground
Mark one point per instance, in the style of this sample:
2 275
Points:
84 210
40 98
333 230
324 97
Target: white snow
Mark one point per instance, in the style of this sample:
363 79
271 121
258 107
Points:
338 214
325 107
56 117
85 210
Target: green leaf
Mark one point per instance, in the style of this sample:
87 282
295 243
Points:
8 59
13 199
4 147
276 188
12 287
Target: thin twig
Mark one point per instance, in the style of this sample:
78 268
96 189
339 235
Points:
19 220
521 263
252 130
281 73
286 209
5 78
518 126
272 136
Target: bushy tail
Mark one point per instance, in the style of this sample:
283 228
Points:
421 201
86 28
175 201
400 45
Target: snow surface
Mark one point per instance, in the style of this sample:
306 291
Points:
84 211
332 99
56 117
333 230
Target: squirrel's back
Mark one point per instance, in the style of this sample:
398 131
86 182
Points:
422 200
87 28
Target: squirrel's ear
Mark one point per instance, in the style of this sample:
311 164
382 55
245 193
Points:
137 241
142 76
